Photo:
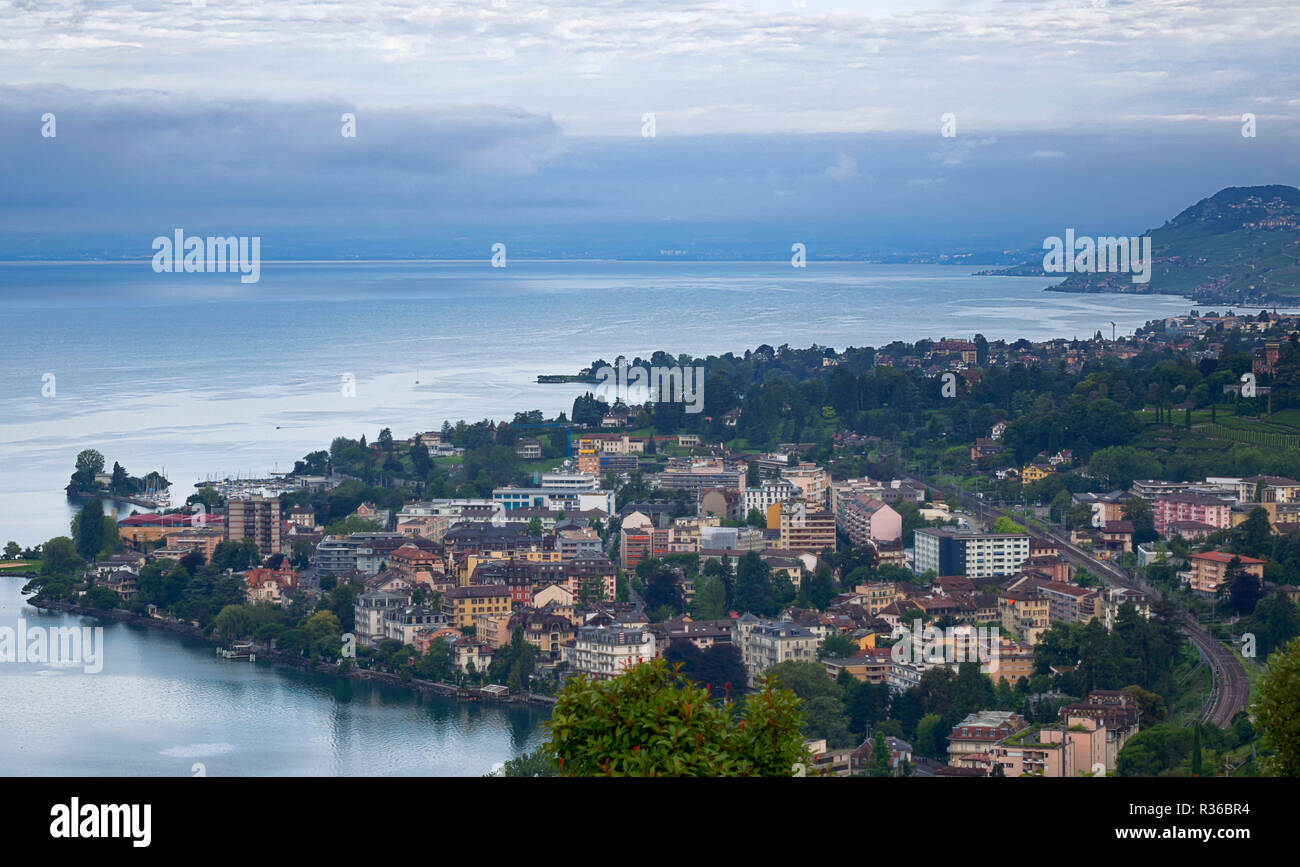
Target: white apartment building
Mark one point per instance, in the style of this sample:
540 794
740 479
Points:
975 555
769 493
764 643
368 611
607 651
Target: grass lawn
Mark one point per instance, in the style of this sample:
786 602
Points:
19 564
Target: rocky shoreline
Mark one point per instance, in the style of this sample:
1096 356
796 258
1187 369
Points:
423 687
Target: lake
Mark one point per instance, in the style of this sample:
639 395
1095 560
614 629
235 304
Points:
163 703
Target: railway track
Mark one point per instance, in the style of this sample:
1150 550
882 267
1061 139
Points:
1229 689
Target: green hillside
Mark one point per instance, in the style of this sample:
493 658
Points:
1240 246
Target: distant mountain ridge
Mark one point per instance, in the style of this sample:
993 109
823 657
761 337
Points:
1240 246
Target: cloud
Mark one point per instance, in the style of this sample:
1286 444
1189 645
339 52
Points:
836 66
845 168
1048 155
450 179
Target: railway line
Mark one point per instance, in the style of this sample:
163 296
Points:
1229 691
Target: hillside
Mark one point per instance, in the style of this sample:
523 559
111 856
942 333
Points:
1240 246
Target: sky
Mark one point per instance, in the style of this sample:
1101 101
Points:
815 120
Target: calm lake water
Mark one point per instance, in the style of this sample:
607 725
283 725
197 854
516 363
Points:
164 702
200 374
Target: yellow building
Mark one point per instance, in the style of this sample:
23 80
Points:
463 605
1033 473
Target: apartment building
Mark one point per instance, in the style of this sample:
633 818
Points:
866 520
576 543
1268 489
1067 603
463 604
368 614
256 518
764 643
976 555
401 623
1024 616
980 731
604 652
876 596
812 481
567 499
1209 569
1178 508
642 543
1115 598
805 527
768 494
693 474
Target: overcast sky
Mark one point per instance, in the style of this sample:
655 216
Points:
486 114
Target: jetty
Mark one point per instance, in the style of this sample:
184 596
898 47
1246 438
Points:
238 650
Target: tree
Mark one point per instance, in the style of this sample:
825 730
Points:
1240 587
651 721
1278 710
90 463
1196 750
120 483
1005 525
102 597
836 646
238 556
534 764
878 764
88 530
710 601
12 551
932 737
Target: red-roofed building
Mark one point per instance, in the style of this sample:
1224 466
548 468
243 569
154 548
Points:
268 585
1210 568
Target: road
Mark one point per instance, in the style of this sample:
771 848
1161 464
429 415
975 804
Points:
1230 688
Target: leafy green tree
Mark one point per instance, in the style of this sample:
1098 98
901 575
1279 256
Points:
710 600
88 530
534 764
1005 525
754 591
59 557
836 646
12 551
1153 751
1278 710
878 764
236 555
651 721
932 737
102 597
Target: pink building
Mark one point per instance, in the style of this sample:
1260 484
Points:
1190 507
866 519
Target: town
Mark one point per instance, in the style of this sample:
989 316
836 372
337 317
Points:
1099 540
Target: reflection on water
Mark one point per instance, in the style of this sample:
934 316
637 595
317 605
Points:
163 702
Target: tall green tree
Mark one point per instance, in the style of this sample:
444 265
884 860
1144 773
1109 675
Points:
88 530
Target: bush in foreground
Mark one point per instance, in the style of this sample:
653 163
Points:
651 722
